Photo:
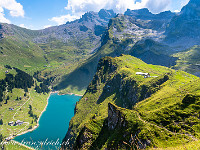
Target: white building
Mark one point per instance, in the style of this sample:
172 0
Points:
18 123
11 123
146 75
11 108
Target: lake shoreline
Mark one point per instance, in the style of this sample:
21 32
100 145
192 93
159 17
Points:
37 125
67 93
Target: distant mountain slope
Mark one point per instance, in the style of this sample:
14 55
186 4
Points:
17 49
153 52
84 33
188 60
159 110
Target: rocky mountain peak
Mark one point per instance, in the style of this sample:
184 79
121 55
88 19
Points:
99 18
140 11
186 25
88 16
144 14
106 14
195 2
165 15
191 10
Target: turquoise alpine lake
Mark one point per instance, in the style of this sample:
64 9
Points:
53 124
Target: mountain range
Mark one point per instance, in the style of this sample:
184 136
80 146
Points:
71 52
56 50
99 55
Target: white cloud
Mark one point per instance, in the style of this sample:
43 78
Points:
63 19
47 26
176 11
79 7
15 9
22 25
2 17
118 6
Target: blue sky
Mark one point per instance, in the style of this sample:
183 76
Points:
38 14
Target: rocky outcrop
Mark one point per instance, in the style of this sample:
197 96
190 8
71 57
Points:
145 14
115 118
184 27
115 122
85 136
106 14
151 21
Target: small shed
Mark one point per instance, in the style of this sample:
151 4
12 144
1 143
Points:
18 123
11 108
11 123
9 138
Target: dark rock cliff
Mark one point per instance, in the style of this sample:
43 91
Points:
115 118
184 27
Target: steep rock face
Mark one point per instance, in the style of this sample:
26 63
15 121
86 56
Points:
1 31
106 14
184 27
115 121
151 21
145 14
84 137
115 118
115 124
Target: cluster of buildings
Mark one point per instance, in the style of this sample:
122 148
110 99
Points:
11 108
9 138
17 123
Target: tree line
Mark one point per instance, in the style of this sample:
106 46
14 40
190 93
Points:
21 80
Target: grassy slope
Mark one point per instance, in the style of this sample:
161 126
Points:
23 55
21 108
188 146
15 146
94 104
